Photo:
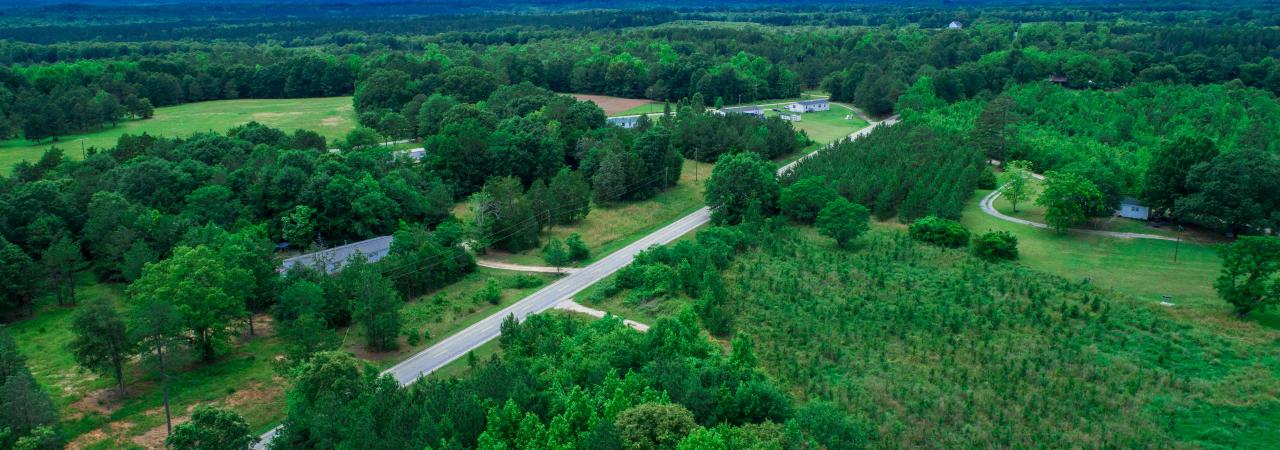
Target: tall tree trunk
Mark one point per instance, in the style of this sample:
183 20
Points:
250 323
118 362
164 389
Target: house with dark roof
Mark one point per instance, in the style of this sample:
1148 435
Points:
332 260
1133 209
745 110
415 154
624 122
805 106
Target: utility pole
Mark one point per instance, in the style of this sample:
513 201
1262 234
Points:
1177 243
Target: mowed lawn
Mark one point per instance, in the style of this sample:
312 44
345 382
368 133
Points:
1144 268
1029 210
332 117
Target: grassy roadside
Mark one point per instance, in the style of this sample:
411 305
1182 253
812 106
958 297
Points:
332 117
611 227
244 378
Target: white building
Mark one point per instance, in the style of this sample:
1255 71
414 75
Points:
624 122
1132 209
955 25
789 117
805 106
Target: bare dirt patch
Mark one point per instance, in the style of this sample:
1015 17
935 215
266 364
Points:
103 401
87 439
612 105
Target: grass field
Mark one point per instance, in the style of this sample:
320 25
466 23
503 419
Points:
332 117
1029 210
1143 268
243 378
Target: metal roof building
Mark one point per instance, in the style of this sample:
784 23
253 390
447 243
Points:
333 259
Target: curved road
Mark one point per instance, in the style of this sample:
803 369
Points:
458 344
988 207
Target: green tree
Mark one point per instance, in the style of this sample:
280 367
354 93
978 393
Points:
991 131
996 246
361 137
1069 200
578 250
376 305
24 407
207 292
653 426
62 260
1250 277
1234 192
803 199
102 342
843 221
569 196
741 182
1166 179
212 428
431 114
1016 182
298 225
156 325
307 335
468 84
15 275
555 254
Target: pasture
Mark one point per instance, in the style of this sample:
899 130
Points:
332 117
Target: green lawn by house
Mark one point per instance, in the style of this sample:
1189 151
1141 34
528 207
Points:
332 117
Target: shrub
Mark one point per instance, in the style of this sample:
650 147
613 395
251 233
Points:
578 250
987 179
938 231
996 245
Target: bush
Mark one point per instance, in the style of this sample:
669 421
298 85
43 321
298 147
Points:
938 231
491 293
987 179
524 281
996 246
578 250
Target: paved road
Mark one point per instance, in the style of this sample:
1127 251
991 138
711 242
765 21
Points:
459 344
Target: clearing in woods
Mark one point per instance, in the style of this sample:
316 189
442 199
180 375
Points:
613 106
332 117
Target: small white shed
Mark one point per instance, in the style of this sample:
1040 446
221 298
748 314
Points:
1132 209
